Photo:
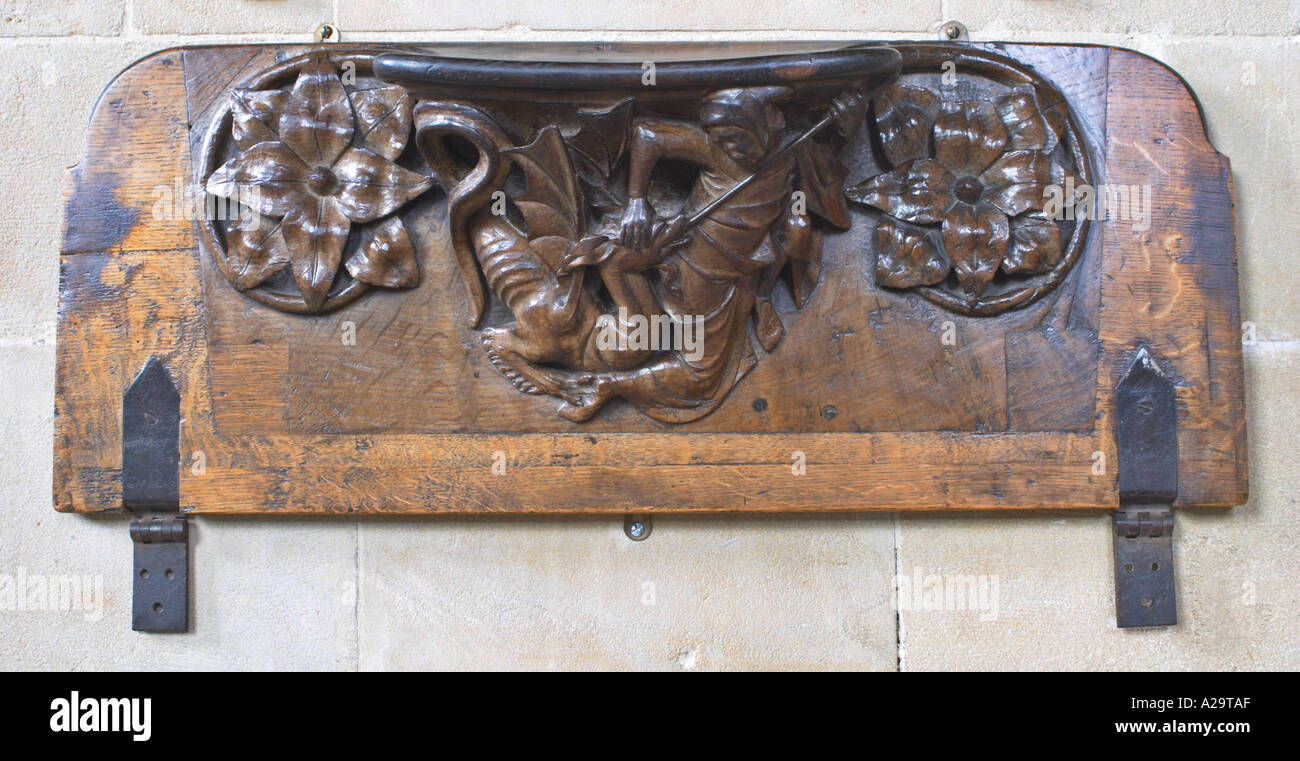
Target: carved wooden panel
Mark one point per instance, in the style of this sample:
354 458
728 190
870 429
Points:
399 279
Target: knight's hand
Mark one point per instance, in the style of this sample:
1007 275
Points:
635 226
848 109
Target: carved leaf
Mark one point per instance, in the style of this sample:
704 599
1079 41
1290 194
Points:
907 257
255 250
919 191
1018 181
1028 126
601 141
552 204
386 256
255 114
904 117
315 233
317 121
975 238
821 179
371 186
1035 246
383 119
968 137
267 177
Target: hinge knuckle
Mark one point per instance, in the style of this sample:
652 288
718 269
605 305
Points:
155 529
1151 521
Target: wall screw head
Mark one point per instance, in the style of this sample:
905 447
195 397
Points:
953 31
637 527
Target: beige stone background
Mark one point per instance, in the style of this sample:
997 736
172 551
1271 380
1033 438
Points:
735 593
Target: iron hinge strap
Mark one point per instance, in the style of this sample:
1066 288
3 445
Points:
1144 566
151 492
1147 441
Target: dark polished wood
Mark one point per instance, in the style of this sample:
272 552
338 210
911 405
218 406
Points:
430 266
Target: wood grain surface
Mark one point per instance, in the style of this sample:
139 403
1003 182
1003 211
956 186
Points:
287 418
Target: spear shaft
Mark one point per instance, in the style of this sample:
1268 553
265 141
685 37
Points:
699 216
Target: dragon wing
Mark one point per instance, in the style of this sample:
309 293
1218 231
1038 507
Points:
598 148
552 202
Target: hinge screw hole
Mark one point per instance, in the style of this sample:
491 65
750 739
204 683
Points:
327 33
157 607
144 573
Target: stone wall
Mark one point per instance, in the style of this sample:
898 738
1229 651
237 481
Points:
701 593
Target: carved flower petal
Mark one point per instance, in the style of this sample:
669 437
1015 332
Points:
1018 181
1056 123
316 234
386 257
1027 126
904 117
371 186
968 137
919 191
976 240
255 115
267 177
1035 246
317 120
383 119
255 250
906 257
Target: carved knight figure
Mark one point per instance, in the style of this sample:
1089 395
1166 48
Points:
578 295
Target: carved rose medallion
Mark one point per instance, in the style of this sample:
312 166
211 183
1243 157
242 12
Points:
310 164
978 193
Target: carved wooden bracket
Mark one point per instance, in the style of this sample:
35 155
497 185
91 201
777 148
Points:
901 267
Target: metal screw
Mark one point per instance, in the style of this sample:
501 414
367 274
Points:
327 33
637 527
1145 405
953 31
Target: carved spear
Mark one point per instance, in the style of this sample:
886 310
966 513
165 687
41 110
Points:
826 121
708 209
